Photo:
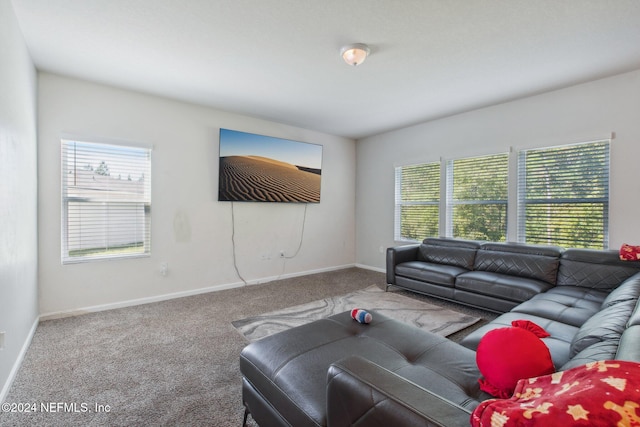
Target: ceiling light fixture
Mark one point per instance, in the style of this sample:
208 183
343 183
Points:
354 54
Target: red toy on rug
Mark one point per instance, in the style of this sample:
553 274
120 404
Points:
604 393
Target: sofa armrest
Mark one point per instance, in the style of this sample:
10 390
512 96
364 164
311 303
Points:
397 255
360 392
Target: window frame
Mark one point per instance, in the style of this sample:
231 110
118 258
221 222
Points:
108 204
400 203
524 201
514 202
452 202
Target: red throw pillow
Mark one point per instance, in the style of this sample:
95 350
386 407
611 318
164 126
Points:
531 327
629 253
506 355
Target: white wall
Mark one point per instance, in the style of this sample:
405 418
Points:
191 230
18 196
580 113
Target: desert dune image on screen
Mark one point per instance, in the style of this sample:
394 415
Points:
258 168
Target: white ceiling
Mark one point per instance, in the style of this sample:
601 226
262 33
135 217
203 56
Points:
279 59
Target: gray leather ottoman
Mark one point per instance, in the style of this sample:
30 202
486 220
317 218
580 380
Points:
285 375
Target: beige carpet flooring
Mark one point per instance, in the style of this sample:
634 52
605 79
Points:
167 363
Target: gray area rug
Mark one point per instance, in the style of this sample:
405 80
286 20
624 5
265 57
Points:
373 299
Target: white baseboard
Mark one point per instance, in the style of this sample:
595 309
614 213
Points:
18 362
181 294
298 274
147 300
134 302
368 267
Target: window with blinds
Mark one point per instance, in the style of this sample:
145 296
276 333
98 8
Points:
417 201
563 195
477 197
106 201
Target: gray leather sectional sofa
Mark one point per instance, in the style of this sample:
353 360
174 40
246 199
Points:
499 276
337 372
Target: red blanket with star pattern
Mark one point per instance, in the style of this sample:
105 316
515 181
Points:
629 253
605 393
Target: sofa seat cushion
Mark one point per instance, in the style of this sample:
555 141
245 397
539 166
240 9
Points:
511 288
290 368
571 308
558 342
578 292
439 274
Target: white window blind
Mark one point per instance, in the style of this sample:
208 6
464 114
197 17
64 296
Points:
477 197
563 195
417 201
106 201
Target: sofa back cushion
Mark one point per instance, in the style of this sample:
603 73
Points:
459 257
627 291
606 325
450 242
460 253
534 262
628 348
624 347
594 269
603 350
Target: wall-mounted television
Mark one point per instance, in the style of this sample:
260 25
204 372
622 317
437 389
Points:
259 168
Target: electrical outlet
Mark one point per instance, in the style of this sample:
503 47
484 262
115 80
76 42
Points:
164 269
2 340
